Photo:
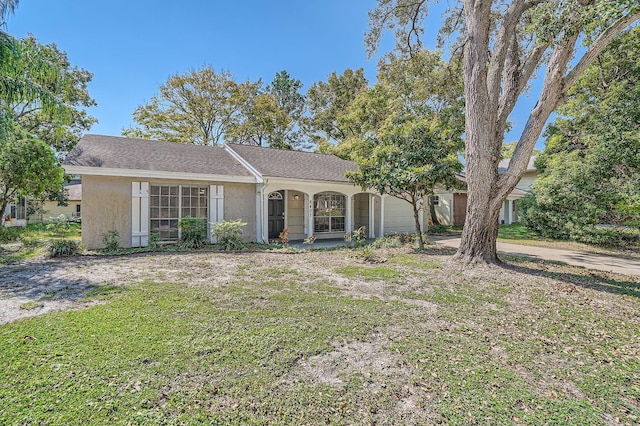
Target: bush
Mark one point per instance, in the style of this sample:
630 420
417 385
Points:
8 235
359 237
58 248
154 243
229 234
111 240
29 240
391 241
193 233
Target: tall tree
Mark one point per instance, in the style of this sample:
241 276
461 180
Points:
41 101
504 44
327 105
60 130
28 168
412 124
589 172
195 107
410 160
258 121
286 91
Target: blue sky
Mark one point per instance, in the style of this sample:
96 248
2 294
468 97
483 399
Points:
132 47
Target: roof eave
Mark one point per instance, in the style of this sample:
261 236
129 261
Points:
155 174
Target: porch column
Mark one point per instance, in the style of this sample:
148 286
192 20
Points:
308 214
508 219
265 214
372 217
260 214
381 230
348 214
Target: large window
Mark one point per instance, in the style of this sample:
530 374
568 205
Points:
170 203
328 212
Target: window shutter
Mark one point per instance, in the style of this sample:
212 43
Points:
216 206
139 214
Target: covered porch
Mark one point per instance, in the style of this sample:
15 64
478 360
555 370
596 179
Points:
324 210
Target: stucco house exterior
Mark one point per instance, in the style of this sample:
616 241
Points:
140 187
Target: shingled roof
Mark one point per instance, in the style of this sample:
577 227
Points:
284 163
110 152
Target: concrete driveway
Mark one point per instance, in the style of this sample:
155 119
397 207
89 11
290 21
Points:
601 262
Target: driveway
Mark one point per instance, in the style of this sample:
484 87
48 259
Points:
587 260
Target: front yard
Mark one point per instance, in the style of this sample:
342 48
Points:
318 337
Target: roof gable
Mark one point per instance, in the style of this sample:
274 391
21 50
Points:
289 164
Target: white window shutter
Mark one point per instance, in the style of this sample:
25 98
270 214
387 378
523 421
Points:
216 206
139 214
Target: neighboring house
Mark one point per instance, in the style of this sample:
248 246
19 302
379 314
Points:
73 192
16 213
140 187
451 206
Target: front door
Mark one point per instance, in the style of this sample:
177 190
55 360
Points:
276 214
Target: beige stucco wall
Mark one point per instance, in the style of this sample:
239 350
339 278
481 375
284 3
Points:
361 211
295 215
240 203
106 205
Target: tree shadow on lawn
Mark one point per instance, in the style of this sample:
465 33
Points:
47 280
596 280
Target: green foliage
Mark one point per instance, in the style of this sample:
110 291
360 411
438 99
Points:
229 234
9 234
327 103
193 233
359 237
205 108
61 128
28 168
286 91
111 240
154 242
194 107
590 170
60 248
29 240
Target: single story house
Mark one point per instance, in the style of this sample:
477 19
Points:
140 187
73 193
16 212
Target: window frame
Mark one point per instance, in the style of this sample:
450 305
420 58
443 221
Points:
157 219
331 216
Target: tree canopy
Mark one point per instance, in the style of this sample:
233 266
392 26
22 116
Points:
589 173
205 107
42 101
410 130
503 46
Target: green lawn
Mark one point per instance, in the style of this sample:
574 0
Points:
292 341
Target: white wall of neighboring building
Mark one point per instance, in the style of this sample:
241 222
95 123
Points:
398 216
444 208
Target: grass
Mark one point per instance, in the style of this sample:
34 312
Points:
516 231
22 244
280 342
519 234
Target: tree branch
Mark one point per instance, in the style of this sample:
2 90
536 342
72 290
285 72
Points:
598 46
